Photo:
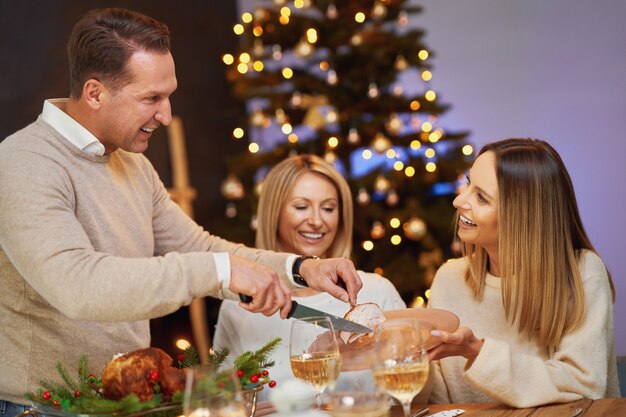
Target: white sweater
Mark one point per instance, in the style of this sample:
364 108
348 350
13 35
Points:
510 368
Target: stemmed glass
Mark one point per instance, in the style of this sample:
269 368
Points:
213 393
356 393
314 353
402 363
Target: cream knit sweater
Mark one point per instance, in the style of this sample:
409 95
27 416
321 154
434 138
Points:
510 368
91 247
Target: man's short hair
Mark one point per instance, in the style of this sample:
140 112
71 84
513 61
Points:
103 41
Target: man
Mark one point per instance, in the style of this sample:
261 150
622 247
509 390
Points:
91 245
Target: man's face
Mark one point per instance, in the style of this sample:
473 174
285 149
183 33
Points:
129 115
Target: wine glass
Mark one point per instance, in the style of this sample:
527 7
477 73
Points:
213 393
356 393
314 353
402 362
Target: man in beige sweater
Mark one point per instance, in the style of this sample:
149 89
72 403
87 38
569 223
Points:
91 245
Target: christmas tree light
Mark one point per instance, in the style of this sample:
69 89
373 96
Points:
350 80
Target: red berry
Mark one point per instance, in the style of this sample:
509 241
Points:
181 357
76 394
55 403
220 385
265 373
239 373
254 378
46 395
154 375
272 383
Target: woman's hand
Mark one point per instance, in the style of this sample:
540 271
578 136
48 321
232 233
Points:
462 342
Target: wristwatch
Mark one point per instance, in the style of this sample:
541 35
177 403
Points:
295 270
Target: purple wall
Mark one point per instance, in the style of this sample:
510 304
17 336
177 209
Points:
554 70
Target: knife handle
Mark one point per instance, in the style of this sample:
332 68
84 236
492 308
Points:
294 305
245 298
248 299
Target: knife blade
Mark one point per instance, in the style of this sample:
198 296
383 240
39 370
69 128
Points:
299 311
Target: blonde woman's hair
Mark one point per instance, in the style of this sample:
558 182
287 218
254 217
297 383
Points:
540 240
276 189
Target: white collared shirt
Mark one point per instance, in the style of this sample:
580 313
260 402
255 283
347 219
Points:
55 116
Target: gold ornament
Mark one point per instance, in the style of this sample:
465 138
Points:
331 11
378 230
403 18
303 48
353 136
415 228
231 210
277 52
381 143
257 118
381 184
296 99
379 11
314 118
363 197
257 48
394 124
232 188
331 77
401 63
392 198
372 90
281 118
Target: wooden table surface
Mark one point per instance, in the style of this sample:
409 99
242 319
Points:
606 407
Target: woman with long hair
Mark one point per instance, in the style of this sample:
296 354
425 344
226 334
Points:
534 298
305 207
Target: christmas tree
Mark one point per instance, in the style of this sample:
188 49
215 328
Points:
349 80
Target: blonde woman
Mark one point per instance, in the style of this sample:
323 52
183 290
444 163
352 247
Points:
533 296
305 207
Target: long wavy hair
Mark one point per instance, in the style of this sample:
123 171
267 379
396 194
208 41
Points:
276 189
540 240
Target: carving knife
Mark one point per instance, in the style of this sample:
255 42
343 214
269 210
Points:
299 311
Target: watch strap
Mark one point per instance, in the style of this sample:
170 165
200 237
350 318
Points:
295 270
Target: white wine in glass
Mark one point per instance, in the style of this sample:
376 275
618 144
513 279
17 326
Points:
314 353
402 366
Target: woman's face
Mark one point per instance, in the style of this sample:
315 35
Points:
309 219
477 205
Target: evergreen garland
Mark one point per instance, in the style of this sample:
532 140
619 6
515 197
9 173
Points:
85 395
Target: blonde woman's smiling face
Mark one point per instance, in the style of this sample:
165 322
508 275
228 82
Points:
477 205
309 219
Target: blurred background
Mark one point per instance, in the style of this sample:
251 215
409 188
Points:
552 70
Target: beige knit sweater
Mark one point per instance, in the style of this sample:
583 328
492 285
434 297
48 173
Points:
91 247
510 368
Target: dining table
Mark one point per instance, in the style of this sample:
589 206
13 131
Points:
605 407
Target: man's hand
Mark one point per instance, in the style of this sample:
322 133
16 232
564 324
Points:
335 276
462 342
269 294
